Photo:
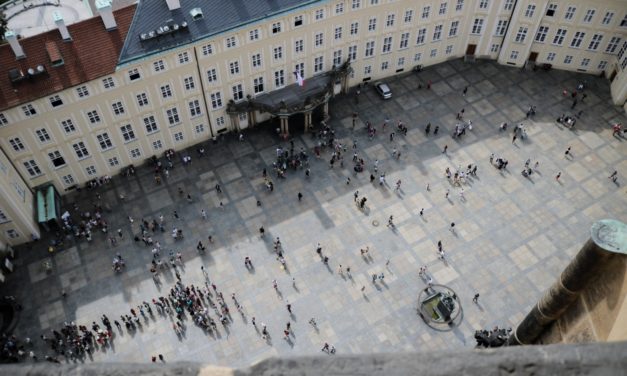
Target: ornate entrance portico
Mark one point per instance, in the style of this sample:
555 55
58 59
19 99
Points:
292 99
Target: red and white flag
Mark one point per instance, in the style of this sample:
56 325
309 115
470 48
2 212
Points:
299 79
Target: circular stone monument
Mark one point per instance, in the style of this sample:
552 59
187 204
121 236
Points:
439 307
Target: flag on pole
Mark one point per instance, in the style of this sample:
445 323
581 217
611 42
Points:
299 79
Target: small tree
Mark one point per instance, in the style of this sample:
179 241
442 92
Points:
3 25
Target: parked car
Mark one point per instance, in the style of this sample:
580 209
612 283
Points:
383 89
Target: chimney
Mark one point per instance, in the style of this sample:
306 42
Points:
173 4
58 20
11 37
106 13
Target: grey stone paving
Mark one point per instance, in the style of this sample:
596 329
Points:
514 235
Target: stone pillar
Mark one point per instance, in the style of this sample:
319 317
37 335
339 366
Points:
326 109
608 238
284 126
252 118
307 120
234 122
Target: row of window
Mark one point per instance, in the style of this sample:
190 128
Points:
576 41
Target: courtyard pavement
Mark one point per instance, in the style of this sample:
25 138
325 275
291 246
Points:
514 235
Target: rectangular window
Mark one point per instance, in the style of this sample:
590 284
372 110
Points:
352 52
68 126
602 65
483 4
156 145
374 2
389 22
43 135
318 64
568 59
577 39
276 27
253 35
550 56
256 60
189 84
183 57
55 101
279 78
570 13
68 179
437 33
298 21
135 153
459 6
231 42
118 108
158 66
234 67
369 49
339 8
452 31
495 47
521 35
56 158
178 136
108 83
509 5
542 32
113 161
338 33
151 124
434 52
611 46
404 41
384 66
29 110
367 70
258 85
81 150
337 57
551 9
127 132
319 15
142 99
513 55
409 15
319 39
595 41
354 28
93 117
220 122
400 62
387 45
133 74
607 18
105 141
448 50
299 46
558 39
16 143
173 116
200 128
442 8
477 26
372 24
238 92
501 26
425 12
589 15
32 168
207 49
216 100
82 91
356 4
300 68
420 38
585 62
91 170
531 9
278 53
3 120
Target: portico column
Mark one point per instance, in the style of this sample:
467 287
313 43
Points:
326 109
235 122
252 118
284 126
307 120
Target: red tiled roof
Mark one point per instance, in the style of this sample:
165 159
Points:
92 53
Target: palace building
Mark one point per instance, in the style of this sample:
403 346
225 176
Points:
89 99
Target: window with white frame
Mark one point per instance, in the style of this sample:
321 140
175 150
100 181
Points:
477 26
356 4
550 56
459 6
437 33
231 42
300 68
585 62
68 179
420 37
135 153
495 47
513 55
570 13
577 39
367 70
611 46
55 101
589 15
338 33
173 116
319 39
531 9
483 4
220 121
104 141
151 124
279 78
216 100
234 67
118 108
93 117
142 99
404 41
298 21
337 57
91 170
418 56
384 66
442 8
253 35
521 35
29 110
389 22
409 15
108 83
452 31
3 217
318 64
238 92
157 145
82 91
133 74
558 39
387 45
299 46
207 49
178 136
400 62
568 59
369 51
127 133
42 135
508 5
374 2
32 168
501 26
258 85
113 161
607 18
183 57
278 53
434 52
256 60
372 24
158 66
352 52
448 50
339 8
276 26
425 12
56 158
68 126
189 84
3 120
81 150
319 14
200 128
551 9
16 144
541 35
602 65
354 28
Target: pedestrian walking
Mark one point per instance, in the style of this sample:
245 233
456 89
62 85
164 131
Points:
189 198
558 176
289 308
356 196
514 138
348 180
203 214
465 91
176 214
445 149
428 129
120 232
491 158
452 228
390 221
300 196
422 210
446 194
613 176
475 299
398 184
567 153
436 129
262 231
